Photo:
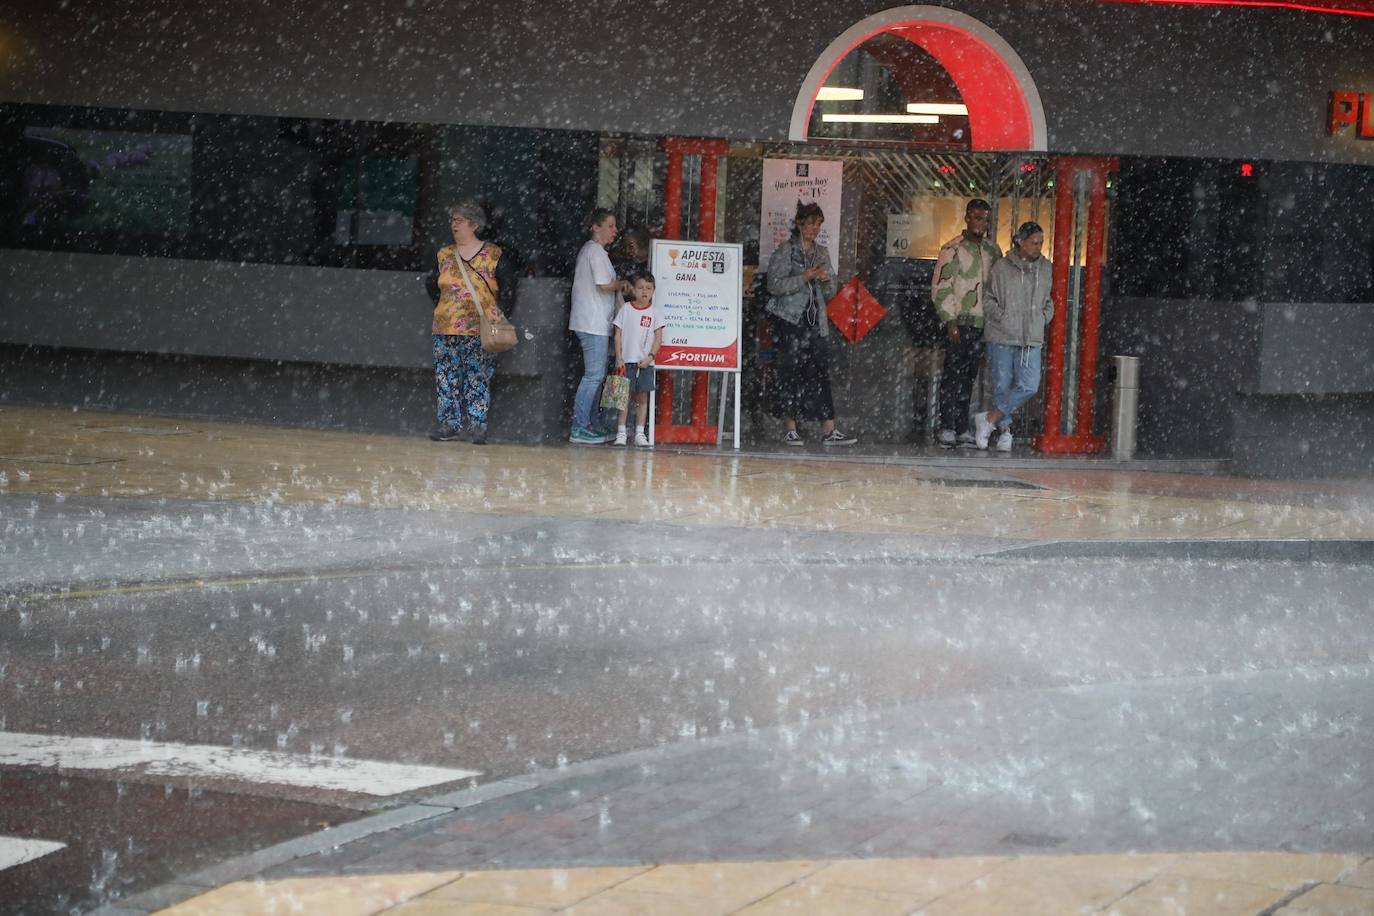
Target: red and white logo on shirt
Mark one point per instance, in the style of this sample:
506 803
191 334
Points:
645 321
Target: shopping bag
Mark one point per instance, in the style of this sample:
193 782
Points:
854 310
615 392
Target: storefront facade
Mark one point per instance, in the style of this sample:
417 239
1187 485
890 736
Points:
310 151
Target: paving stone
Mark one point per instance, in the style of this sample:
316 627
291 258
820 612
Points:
552 890
1182 895
1331 900
164 896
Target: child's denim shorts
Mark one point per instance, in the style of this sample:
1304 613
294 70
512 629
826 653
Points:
640 379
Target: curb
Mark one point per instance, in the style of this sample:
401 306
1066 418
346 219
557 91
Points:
248 864
239 868
907 456
1296 550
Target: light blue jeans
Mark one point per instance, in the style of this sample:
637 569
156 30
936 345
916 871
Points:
595 349
1015 378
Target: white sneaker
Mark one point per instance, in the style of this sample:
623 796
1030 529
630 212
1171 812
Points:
620 436
1004 441
966 439
835 437
947 439
641 440
982 430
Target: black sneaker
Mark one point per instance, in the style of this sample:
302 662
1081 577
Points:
479 436
835 437
443 433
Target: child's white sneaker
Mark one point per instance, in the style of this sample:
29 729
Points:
620 436
641 440
1004 441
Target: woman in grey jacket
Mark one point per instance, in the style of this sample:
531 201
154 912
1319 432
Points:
1016 308
800 283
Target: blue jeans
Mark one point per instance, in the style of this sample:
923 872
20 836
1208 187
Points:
1015 378
595 349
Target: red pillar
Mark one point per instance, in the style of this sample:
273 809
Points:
672 193
672 229
1059 292
709 165
1092 300
699 429
1083 440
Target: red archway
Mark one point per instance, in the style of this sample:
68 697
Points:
1003 103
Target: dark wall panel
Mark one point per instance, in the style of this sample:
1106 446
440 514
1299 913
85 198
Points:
1114 78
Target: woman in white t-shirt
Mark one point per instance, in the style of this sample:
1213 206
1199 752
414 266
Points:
595 295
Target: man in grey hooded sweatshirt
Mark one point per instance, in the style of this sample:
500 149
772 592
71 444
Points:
1016 308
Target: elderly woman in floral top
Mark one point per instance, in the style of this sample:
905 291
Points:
462 369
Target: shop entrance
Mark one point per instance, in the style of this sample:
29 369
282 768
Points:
914 111
897 207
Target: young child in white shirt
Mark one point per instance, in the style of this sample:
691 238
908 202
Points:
638 336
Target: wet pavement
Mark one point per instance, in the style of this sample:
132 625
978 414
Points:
91 454
675 676
121 836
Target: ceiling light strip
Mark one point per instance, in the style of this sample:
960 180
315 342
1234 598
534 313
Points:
937 108
880 119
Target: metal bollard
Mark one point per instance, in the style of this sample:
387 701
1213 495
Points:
1125 400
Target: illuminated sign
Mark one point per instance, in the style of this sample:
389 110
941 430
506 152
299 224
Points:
1350 109
1333 7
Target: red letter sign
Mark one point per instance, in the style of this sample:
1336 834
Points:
1345 110
1366 128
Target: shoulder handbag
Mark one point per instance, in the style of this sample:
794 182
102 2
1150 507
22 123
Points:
498 334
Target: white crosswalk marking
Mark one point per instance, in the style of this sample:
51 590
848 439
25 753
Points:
17 850
157 758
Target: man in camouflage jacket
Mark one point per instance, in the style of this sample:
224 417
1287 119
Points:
957 295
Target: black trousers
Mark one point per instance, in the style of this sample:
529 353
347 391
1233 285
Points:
962 362
803 373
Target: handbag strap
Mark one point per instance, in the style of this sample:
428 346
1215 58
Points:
467 281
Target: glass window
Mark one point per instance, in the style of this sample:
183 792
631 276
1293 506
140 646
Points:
285 190
106 182
86 180
308 191
377 202
1231 231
